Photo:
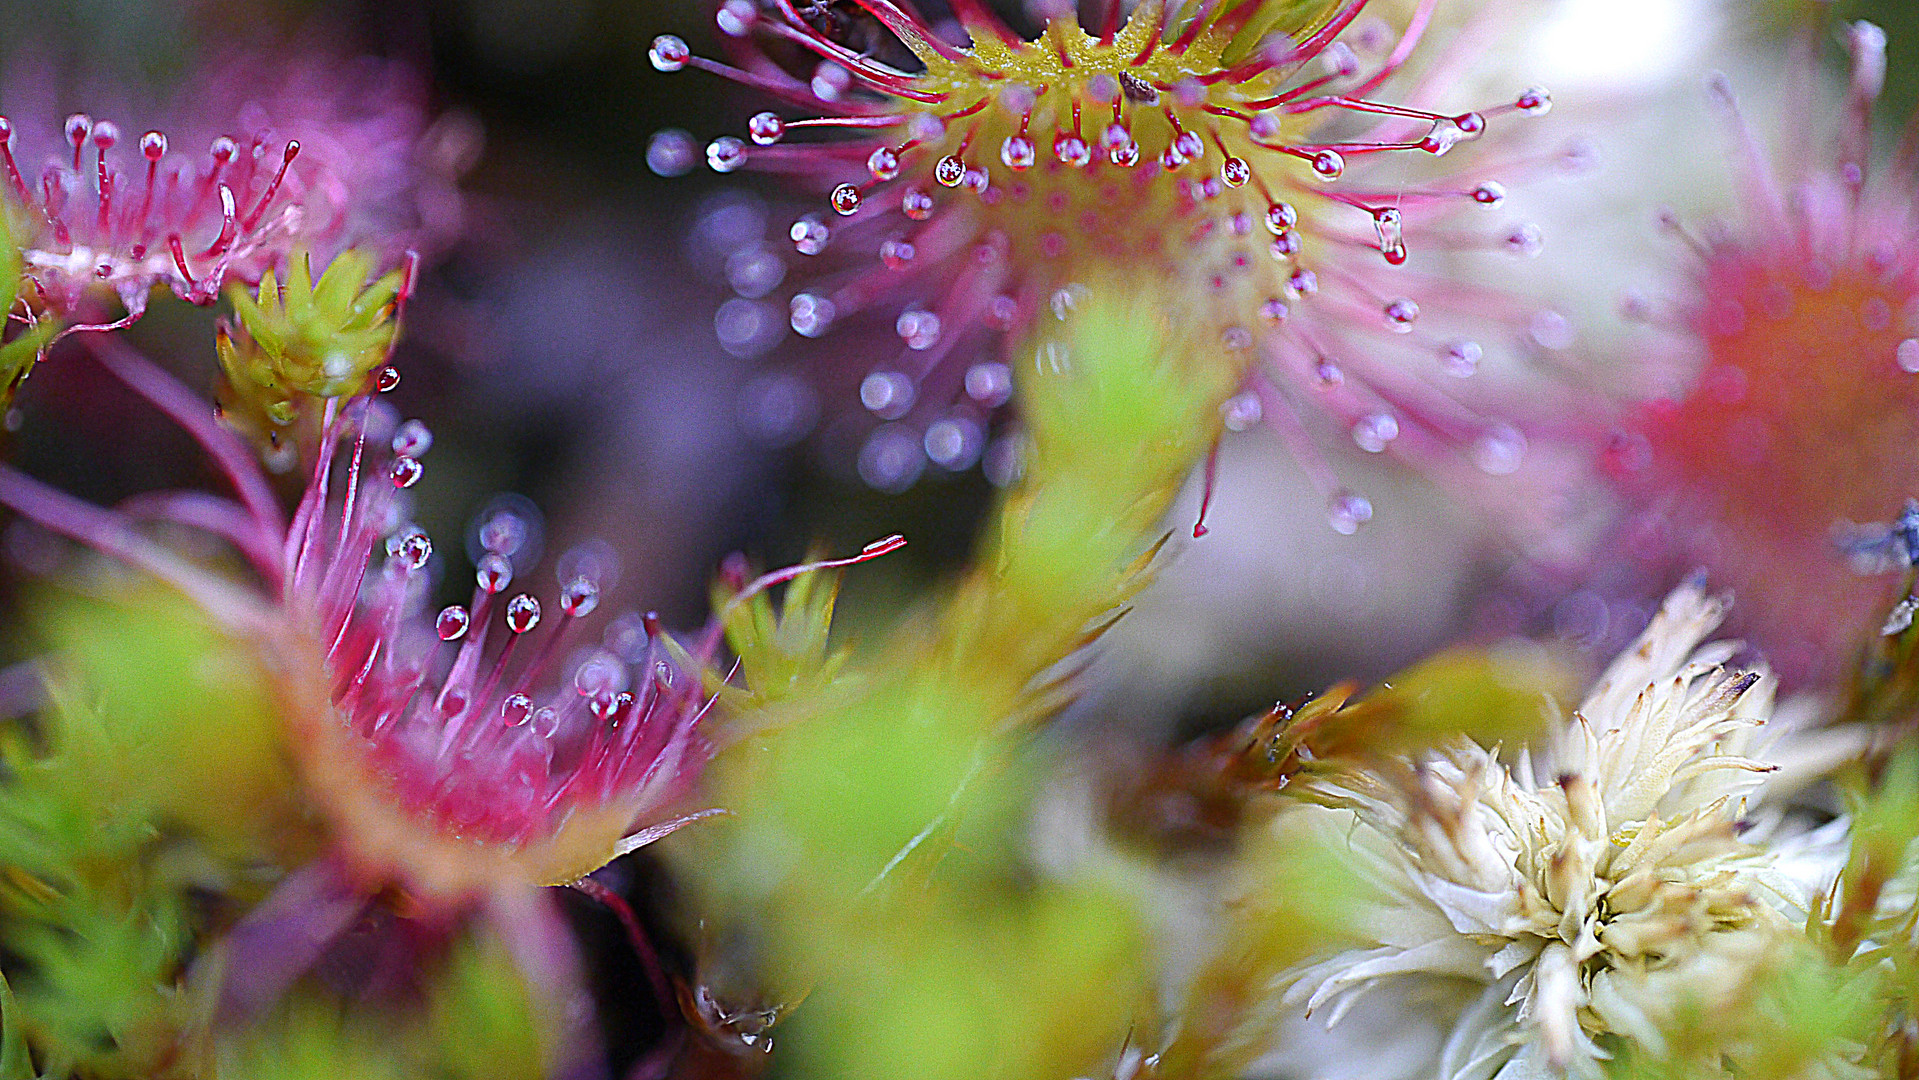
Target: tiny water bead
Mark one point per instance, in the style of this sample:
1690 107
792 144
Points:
888 394
669 53
1243 411
1907 355
412 439
1346 511
767 128
725 154
452 622
522 613
1401 314
405 471
412 548
493 574
809 235
1375 432
1461 358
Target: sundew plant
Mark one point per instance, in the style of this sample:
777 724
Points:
1240 539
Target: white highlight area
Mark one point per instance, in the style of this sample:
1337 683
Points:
1619 44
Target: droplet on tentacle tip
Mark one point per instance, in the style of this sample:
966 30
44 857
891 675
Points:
896 254
517 709
918 328
1018 152
1461 358
954 443
579 597
405 472
1346 511
412 439
672 152
1907 355
1401 314
522 613
809 235
811 315
887 394
989 383
669 53
452 622
766 128
725 154
1375 432
412 547
1500 450
1242 411
493 574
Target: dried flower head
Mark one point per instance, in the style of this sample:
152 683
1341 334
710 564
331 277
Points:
450 753
1592 890
1233 149
1797 396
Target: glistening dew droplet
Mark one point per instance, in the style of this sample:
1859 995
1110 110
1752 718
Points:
1346 511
